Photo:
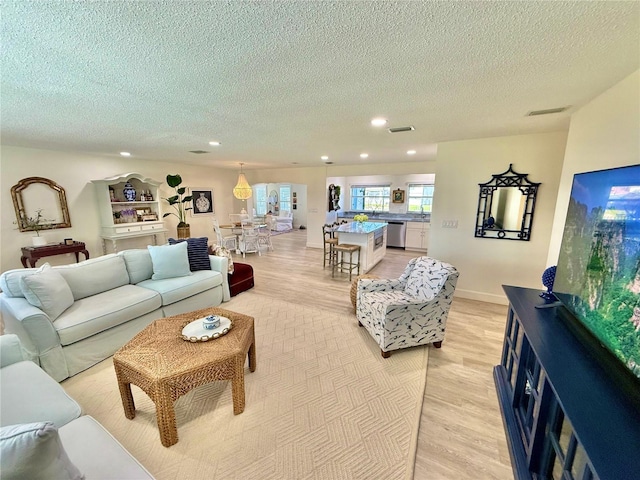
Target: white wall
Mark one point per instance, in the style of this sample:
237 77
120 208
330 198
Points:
486 264
605 133
74 173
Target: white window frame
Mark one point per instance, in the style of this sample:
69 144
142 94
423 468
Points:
260 200
425 200
284 201
372 202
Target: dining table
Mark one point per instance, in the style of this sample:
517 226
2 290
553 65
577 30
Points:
237 231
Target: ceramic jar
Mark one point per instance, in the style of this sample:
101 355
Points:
129 192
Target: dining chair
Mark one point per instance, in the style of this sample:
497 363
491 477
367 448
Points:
264 237
229 241
249 239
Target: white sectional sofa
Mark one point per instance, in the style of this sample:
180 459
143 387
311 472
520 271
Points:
43 434
73 316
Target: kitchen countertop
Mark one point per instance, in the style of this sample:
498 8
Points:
365 227
391 217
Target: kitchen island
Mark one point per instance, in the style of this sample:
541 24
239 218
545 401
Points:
370 236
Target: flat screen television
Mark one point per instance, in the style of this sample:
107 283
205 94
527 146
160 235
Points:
598 272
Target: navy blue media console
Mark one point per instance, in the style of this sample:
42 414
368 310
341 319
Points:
567 415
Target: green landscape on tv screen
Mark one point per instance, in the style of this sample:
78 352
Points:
598 272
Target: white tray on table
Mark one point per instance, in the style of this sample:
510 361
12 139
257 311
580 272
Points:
195 332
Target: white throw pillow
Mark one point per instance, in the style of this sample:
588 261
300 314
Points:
47 290
169 261
34 451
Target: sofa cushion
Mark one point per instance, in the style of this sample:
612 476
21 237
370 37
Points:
138 263
10 281
28 394
175 289
196 251
169 261
95 275
35 451
47 290
100 312
97 453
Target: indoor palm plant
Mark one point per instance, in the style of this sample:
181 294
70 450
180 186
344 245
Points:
180 203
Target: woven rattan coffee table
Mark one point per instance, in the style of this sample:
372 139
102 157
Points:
166 367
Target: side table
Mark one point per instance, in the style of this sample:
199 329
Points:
33 254
166 367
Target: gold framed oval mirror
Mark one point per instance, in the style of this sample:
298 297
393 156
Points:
38 196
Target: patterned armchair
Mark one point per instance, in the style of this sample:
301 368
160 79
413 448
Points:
411 310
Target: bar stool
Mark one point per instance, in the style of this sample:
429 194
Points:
339 263
330 241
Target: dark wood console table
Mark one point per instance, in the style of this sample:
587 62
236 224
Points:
564 412
33 254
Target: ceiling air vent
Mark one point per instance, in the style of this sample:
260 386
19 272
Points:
198 152
533 113
401 129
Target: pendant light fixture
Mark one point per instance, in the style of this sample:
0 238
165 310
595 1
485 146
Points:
242 190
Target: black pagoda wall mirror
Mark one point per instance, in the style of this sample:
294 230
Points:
505 206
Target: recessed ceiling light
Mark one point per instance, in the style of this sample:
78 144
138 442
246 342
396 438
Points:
215 144
324 157
379 122
125 154
411 152
364 155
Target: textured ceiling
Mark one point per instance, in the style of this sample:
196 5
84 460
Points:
285 82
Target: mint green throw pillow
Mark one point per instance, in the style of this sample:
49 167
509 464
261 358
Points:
169 261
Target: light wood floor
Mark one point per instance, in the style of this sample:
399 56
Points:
461 434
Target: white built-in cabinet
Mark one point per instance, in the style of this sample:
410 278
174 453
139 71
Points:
122 217
417 236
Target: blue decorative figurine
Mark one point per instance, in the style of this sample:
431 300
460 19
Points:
548 278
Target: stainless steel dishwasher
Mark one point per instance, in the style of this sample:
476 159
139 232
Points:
396 233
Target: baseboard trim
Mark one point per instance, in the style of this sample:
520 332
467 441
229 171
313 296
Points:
481 296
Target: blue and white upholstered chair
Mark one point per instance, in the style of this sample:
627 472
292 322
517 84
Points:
411 310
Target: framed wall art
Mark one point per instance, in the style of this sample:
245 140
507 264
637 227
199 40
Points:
202 203
397 196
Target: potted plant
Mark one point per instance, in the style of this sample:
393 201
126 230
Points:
180 204
35 223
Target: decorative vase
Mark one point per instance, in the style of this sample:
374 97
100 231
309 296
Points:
38 241
184 232
202 204
129 192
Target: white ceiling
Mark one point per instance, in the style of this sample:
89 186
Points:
285 82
